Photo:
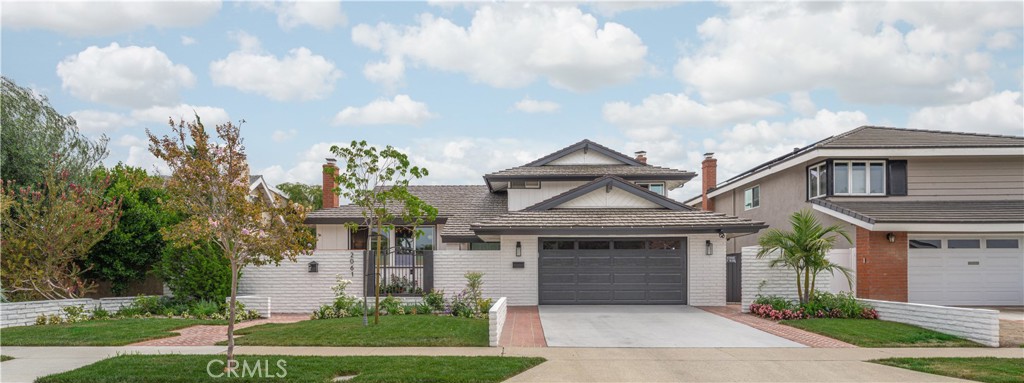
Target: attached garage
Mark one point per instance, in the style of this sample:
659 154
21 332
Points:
965 271
625 271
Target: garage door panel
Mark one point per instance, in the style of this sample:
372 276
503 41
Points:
627 276
966 276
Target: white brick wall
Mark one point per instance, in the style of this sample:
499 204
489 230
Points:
451 266
496 320
293 289
500 279
978 325
759 279
260 304
25 313
706 273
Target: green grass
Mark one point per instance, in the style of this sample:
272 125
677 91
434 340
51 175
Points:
879 333
114 332
4 358
987 369
193 368
393 331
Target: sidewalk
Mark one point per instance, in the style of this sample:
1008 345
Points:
574 364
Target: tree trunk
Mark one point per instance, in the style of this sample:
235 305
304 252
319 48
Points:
230 364
376 280
807 283
799 287
814 283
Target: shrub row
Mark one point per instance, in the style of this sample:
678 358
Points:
822 304
152 307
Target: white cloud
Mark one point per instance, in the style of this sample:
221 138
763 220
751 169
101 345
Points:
511 45
762 49
300 75
105 18
612 8
402 110
136 153
186 40
95 121
801 103
659 110
1001 40
323 15
529 105
1000 113
284 135
129 76
389 72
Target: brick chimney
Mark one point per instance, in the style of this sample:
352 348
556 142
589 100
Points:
709 179
330 171
641 157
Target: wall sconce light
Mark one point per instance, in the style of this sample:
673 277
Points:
709 249
313 267
519 249
721 234
891 237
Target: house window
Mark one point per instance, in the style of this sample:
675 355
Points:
361 240
657 187
859 177
752 198
524 185
485 246
817 178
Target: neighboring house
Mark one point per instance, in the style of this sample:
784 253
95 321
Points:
258 187
935 217
583 225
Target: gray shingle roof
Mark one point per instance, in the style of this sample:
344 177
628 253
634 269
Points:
618 220
459 205
591 171
1011 211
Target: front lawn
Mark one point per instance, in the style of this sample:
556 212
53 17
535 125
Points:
193 368
111 332
393 331
879 333
987 369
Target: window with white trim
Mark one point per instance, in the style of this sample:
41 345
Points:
657 187
752 198
817 179
859 177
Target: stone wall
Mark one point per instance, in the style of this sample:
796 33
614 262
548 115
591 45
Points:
978 325
25 313
496 319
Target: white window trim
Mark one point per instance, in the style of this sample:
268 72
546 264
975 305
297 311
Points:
867 176
745 208
823 193
662 184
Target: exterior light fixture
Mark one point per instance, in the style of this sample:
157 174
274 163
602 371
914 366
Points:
891 237
313 267
721 234
709 249
519 249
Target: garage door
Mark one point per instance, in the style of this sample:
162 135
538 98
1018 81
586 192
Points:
965 271
612 271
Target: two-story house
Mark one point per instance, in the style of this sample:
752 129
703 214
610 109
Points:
583 225
935 217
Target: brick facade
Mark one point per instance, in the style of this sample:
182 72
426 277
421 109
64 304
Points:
330 171
881 266
709 179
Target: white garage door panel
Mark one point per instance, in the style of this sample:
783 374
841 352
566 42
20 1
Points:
966 277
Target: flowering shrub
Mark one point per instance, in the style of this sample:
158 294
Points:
766 311
822 305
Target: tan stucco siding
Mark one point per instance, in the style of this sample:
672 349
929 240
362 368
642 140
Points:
519 199
616 198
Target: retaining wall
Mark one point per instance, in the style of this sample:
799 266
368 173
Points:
25 313
978 325
496 318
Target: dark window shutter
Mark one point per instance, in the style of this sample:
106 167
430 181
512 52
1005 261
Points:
898 177
828 178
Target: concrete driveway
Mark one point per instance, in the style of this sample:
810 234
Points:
648 326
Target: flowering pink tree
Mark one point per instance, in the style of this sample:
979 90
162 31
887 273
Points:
210 185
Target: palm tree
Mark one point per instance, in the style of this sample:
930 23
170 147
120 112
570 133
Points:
804 250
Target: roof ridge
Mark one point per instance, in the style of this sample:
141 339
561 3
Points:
584 144
973 134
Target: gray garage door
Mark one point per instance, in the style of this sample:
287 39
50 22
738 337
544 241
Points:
629 271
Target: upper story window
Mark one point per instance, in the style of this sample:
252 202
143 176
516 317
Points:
752 198
817 180
524 185
657 187
859 177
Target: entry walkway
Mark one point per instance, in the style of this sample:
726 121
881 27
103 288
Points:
574 364
205 335
807 338
649 326
522 328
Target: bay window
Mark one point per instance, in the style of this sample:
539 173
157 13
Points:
817 180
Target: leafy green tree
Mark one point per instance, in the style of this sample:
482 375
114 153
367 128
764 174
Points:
196 272
310 196
377 181
209 186
47 229
129 251
33 133
804 250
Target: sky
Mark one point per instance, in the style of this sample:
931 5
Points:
469 88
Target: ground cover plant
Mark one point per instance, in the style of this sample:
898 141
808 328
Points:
392 331
879 333
984 369
396 369
821 305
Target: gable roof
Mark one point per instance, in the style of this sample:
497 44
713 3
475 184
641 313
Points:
615 222
882 137
608 182
585 145
960 212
